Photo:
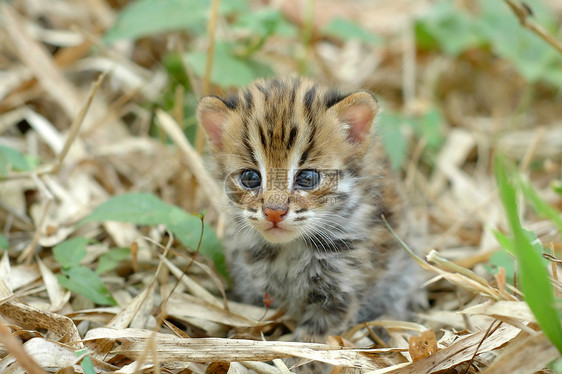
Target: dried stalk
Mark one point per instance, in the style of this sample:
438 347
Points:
523 12
211 26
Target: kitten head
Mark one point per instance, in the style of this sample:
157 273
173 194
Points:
287 151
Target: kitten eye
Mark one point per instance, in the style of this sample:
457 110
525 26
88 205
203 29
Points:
250 179
307 179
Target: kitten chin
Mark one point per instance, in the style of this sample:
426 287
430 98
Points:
278 235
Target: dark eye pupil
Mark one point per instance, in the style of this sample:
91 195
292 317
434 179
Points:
250 179
308 179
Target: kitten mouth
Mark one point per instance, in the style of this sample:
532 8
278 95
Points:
275 228
276 234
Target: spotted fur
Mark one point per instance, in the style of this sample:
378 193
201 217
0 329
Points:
330 262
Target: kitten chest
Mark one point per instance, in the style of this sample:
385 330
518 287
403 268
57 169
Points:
297 276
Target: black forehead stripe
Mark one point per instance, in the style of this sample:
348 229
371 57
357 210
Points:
269 117
250 151
249 99
246 143
292 136
276 84
294 89
283 128
304 155
333 97
231 101
309 98
262 138
264 91
309 146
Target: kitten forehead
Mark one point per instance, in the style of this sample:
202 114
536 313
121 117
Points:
291 123
283 120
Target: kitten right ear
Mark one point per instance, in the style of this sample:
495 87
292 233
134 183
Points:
211 114
357 110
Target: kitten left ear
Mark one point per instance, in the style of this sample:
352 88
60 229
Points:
211 114
358 111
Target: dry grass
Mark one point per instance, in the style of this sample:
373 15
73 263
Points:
81 108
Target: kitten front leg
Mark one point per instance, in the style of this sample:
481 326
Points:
325 314
248 289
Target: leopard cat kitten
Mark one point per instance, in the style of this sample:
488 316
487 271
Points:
308 184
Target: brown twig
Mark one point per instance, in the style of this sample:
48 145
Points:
522 11
188 265
554 266
28 252
211 26
75 127
194 162
14 346
486 335
551 257
375 337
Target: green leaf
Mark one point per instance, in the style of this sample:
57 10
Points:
505 242
228 69
502 259
4 242
448 27
138 208
347 30
508 243
557 187
430 127
211 246
150 17
533 57
234 6
540 206
147 209
286 29
394 142
537 245
83 281
70 252
86 363
109 260
534 279
173 63
12 159
262 22
556 365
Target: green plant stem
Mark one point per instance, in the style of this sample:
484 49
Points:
306 35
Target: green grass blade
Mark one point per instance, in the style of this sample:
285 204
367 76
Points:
540 206
534 279
3 242
86 363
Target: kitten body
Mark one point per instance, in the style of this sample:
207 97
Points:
308 185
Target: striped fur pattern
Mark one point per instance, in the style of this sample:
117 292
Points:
308 183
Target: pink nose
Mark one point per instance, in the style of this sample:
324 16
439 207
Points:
275 215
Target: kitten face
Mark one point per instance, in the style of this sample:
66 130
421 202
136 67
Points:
286 150
284 203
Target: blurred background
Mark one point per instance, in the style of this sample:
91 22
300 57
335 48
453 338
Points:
459 81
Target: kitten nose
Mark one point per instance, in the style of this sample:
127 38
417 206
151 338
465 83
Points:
275 215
